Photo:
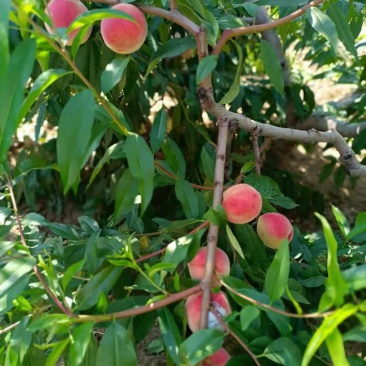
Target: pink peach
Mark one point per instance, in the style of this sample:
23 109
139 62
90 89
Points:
193 309
273 229
242 203
219 358
122 35
197 265
62 13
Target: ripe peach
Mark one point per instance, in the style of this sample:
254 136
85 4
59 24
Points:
124 36
219 358
62 13
197 265
273 229
193 309
242 203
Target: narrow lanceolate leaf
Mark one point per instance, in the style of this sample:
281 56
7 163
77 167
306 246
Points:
341 221
39 86
113 73
126 191
56 352
187 197
116 347
277 275
272 66
80 340
12 91
4 39
234 241
336 348
13 279
324 26
343 28
74 134
101 283
328 326
158 131
235 87
141 164
335 285
205 67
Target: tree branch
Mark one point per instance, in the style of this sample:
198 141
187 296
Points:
227 34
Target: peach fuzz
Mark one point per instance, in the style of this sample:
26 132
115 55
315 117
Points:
197 265
273 229
242 203
219 358
193 309
124 36
62 13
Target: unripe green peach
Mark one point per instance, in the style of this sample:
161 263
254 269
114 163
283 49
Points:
122 35
242 203
219 358
273 229
62 13
197 265
193 310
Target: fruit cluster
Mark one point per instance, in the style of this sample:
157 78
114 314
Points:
120 35
243 203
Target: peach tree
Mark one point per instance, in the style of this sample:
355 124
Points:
145 194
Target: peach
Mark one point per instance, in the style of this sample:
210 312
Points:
122 35
197 265
62 13
242 203
273 229
193 309
219 358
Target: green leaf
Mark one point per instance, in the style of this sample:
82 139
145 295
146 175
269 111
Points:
342 221
4 39
208 162
324 26
336 350
70 272
141 164
42 82
126 191
335 285
54 356
200 345
283 351
101 283
216 216
20 340
13 279
12 91
328 326
248 314
272 66
277 275
266 186
282 201
158 131
80 340
113 73
174 157
355 278
177 251
205 67
92 259
343 28
281 3
74 132
235 87
174 47
116 347
234 242
187 197
170 333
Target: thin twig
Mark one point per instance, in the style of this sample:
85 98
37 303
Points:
234 335
257 155
24 243
170 299
214 229
275 310
9 327
257 28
